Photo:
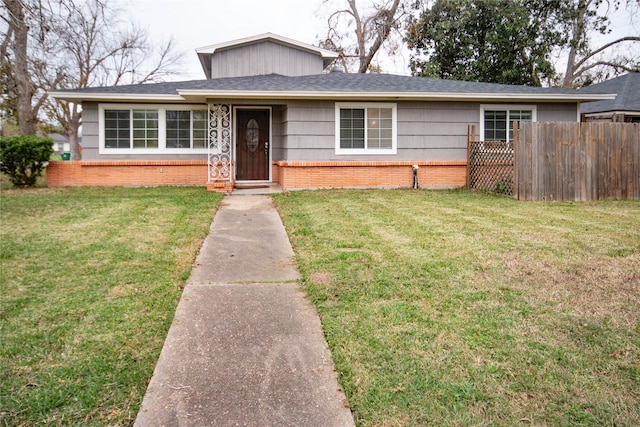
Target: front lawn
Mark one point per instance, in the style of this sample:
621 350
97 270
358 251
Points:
452 308
90 282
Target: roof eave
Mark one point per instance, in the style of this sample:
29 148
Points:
425 96
202 94
612 112
114 97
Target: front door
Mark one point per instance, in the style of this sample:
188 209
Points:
252 145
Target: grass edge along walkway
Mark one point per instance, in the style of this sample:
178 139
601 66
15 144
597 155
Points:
454 308
91 279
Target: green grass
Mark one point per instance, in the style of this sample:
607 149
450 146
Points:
90 282
453 308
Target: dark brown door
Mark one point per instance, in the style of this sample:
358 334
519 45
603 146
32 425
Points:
252 145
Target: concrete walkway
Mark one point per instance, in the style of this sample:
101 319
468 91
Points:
245 347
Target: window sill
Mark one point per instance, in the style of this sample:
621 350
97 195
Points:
152 151
366 152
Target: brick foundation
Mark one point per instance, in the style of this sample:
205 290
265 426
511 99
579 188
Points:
358 174
290 175
135 173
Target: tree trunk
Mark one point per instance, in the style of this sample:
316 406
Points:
71 118
576 38
26 115
385 21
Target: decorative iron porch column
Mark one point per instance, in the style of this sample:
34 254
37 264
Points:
220 167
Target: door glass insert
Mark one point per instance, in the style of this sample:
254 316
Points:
253 135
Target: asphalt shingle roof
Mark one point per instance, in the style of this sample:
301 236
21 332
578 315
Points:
328 82
628 89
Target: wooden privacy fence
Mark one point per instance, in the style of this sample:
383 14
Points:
577 161
559 161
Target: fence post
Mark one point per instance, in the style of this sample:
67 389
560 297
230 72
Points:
516 179
471 131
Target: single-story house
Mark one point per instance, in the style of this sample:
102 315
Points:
60 142
624 108
269 111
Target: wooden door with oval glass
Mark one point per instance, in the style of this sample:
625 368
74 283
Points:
252 145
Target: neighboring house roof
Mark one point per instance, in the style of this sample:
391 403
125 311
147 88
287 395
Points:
205 53
627 88
57 138
335 86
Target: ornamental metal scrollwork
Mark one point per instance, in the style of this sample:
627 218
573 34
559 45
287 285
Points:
219 161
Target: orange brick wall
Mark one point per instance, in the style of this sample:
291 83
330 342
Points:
290 175
126 173
354 174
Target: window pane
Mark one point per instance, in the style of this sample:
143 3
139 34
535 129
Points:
379 128
116 129
519 116
386 113
386 124
386 143
145 128
178 129
199 121
351 128
495 125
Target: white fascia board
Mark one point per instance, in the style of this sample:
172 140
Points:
503 97
185 94
114 97
612 112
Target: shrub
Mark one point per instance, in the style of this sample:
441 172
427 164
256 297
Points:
24 158
504 186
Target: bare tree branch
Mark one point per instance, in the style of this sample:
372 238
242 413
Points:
612 64
74 44
364 33
605 47
585 19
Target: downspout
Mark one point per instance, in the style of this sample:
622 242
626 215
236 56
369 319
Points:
415 176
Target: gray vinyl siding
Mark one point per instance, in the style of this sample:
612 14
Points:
558 112
276 132
264 58
434 130
90 128
305 131
426 131
308 128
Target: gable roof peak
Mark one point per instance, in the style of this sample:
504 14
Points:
205 53
264 37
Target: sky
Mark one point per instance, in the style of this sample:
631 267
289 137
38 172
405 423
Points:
199 23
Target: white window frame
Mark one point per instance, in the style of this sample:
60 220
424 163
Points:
162 129
505 107
367 151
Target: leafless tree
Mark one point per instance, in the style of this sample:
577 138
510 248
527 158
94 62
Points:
19 90
358 33
78 44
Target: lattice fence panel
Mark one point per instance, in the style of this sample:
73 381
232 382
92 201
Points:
491 166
